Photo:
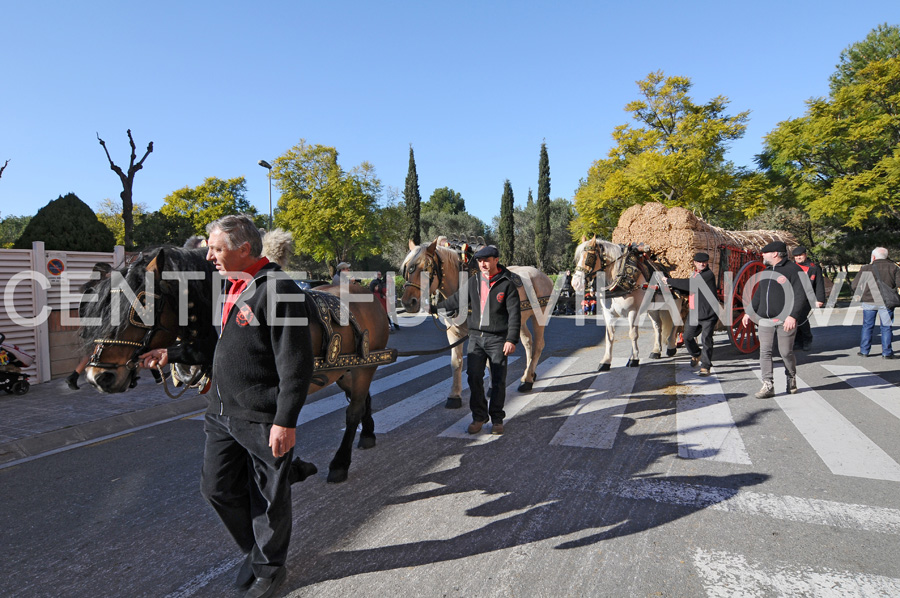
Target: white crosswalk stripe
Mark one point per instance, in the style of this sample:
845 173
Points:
706 428
843 448
877 389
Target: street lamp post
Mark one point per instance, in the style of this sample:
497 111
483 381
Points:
268 167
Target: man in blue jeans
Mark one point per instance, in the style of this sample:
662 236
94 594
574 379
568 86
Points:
884 270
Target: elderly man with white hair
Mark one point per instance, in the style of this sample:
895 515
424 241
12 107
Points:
881 272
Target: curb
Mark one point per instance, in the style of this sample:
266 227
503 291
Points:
81 433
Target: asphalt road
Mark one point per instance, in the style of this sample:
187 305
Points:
643 481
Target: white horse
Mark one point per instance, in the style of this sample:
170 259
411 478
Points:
441 267
627 273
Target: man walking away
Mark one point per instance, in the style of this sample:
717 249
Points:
817 280
887 273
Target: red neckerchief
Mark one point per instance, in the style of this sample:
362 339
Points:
486 285
237 287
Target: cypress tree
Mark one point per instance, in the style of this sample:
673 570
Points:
507 224
413 200
542 221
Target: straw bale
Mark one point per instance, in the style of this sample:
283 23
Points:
675 234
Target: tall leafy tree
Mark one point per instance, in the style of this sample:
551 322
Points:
561 247
446 200
542 220
334 215
156 228
881 43
69 224
413 200
841 158
507 228
675 154
110 214
208 202
127 180
11 228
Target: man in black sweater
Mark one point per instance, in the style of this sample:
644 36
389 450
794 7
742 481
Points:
779 303
494 321
262 370
817 280
703 311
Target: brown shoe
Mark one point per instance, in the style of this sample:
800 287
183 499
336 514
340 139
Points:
704 372
475 427
695 361
497 429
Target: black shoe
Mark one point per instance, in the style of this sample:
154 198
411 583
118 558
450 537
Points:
891 356
861 354
264 587
245 575
300 470
72 380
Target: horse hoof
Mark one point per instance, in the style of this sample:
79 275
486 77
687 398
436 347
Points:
655 356
633 363
453 403
526 386
366 442
604 367
336 476
671 352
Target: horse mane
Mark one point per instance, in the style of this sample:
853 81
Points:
177 259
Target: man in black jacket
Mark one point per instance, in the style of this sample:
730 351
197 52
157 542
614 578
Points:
779 303
262 370
702 314
817 280
494 322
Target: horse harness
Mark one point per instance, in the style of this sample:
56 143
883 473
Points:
635 260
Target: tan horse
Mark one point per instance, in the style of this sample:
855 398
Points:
345 353
438 269
627 274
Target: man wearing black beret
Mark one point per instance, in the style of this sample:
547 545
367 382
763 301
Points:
779 303
817 280
702 311
494 320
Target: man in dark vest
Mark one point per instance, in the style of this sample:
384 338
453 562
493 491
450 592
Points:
702 314
804 338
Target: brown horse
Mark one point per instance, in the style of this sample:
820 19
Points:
437 269
138 310
627 274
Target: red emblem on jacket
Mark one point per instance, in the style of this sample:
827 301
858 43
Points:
245 316
500 297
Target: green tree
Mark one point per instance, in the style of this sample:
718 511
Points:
841 158
882 43
69 224
507 225
675 155
560 248
542 220
208 202
413 200
157 228
453 226
445 199
333 215
11 228
110 214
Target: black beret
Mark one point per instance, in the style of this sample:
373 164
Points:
701 257
799 250
486 251
778 246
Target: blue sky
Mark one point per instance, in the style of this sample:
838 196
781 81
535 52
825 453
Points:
475 87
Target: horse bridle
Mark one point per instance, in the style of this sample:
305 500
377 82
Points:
140 347
592 254
432 267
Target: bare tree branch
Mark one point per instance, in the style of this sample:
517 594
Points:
2 168
127 182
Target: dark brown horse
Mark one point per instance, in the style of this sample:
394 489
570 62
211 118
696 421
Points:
152 304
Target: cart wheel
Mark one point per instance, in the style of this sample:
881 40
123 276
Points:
20 387
743 337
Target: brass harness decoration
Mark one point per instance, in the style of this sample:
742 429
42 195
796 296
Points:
329 310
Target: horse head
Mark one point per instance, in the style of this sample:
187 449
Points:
422 269
139 309
592 256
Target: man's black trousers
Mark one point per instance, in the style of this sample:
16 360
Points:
705 329
484 346
249 489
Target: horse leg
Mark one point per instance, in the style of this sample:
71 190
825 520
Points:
658 333
606 361
672 335
356 384
367 435
454 401
531 356
633 333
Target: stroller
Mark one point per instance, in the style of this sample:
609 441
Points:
12 360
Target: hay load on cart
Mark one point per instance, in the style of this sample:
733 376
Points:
675 234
